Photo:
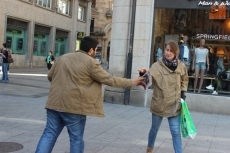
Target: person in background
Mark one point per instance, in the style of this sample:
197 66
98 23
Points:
49 60
169 81
5 63
9 53
76 92
184 54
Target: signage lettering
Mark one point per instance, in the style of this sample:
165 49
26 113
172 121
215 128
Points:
14 31
80 35
208 3
41 36
216 37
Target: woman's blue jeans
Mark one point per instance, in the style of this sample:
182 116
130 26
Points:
55 123
174 125
5 73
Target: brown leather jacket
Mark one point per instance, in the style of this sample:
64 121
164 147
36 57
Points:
76 84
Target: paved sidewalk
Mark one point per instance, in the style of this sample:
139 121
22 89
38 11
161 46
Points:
123 130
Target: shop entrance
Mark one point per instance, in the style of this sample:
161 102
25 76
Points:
16 36
15 39
61 42
187 23
40 44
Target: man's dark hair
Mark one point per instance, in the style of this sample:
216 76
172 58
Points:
87 43
4 45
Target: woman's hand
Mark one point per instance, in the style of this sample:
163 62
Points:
142 71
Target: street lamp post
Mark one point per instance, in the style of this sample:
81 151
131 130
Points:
130 52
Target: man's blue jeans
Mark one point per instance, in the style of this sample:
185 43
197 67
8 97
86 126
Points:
174 125
55 123
5 73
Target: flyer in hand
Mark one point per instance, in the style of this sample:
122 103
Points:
148 80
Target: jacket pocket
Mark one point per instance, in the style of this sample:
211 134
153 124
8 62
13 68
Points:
97 100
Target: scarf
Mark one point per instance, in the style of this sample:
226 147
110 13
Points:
170 63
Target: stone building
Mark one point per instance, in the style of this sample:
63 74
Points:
158 21
32 28
101 24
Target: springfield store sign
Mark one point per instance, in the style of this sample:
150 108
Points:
215 37
208 3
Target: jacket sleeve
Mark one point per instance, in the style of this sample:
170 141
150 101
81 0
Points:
184 79
100 75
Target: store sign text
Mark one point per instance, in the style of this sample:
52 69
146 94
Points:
216 37
208 3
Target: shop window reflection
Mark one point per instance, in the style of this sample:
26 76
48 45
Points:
176 23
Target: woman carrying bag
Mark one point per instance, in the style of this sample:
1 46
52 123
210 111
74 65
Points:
49 60
169 81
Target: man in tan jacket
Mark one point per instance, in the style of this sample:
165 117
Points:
75 92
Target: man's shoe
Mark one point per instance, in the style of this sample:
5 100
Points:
210 87
215 93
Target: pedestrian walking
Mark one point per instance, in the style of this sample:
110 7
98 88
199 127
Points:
5 63
170 81
49 60
76 92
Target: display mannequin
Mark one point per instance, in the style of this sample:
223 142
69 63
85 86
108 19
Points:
158 50
184 55
200 59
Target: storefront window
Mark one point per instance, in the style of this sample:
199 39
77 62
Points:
15 39
80 36
60 46
78 44
61 42
41 42
188 23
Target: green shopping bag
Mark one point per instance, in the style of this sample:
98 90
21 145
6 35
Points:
187 126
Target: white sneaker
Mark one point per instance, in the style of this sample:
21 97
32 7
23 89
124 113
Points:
210 87
215 93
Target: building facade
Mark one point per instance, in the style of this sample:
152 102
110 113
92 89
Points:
32 28
158 21
101 24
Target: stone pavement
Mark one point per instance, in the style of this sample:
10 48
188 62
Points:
123 130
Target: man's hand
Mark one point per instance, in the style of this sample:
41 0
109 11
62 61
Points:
138 81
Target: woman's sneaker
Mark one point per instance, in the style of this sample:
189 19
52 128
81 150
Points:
215 93
210 87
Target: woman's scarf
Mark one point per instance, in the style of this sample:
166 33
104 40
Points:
170 63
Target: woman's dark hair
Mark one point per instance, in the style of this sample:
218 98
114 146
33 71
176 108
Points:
87 43
4 45
51 52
